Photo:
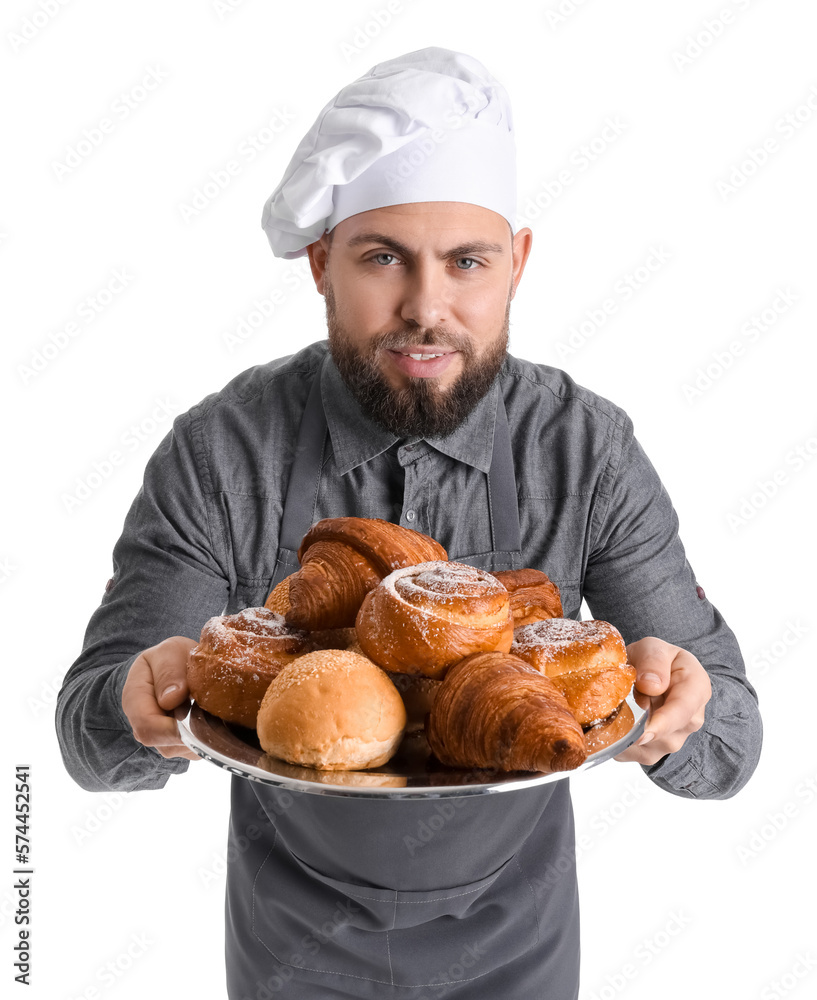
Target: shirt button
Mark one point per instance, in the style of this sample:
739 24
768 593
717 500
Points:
410 515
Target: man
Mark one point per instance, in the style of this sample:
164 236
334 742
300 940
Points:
403 196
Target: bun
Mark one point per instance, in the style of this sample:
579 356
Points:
493 710
236 659
422 619
534 596
560 645
333 710
342 559
278 600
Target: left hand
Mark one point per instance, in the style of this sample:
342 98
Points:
676 687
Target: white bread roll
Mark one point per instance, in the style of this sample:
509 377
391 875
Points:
332 709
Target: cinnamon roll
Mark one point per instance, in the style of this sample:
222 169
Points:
422 619
236 658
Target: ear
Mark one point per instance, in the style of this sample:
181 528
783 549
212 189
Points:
318 257
522 242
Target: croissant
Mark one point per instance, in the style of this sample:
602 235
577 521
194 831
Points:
328 638
342 559
534 596
493 710
422 619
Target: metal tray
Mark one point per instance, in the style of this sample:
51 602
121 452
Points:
413 772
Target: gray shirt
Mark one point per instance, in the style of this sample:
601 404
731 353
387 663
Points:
201 537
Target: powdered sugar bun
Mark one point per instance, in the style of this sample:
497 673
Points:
422 619
560 645
237 656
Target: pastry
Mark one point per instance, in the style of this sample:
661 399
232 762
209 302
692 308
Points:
609 730
422 619
534 596
278 600
587 661
237 656
333 710
418 694
493 710
559 645
593 695
327 638
342 559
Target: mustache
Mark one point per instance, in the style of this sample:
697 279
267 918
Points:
397 339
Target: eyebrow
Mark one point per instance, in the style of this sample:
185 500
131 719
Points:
463 250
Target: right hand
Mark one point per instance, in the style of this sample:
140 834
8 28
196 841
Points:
151 708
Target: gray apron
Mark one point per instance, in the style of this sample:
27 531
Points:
337 897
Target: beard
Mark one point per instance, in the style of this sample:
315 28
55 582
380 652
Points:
421 408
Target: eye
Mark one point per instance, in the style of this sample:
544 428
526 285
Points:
471 259
383 254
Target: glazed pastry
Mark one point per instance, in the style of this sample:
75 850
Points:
237 657
594 694
422 619
342 559
333 710
560 645
534 596
493 710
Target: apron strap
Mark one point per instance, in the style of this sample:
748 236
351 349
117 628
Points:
503 503
305 472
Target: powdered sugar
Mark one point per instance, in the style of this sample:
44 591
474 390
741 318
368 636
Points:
551 637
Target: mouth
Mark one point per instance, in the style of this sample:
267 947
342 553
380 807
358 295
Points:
421 362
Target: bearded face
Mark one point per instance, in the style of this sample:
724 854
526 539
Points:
420 407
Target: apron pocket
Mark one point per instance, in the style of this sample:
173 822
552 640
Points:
313 922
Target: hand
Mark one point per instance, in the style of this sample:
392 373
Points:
156 694
676 687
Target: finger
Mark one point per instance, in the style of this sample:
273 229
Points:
680 711
151 725
182 750
641 755
168 665
652 659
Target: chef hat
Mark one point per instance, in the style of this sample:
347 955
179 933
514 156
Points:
431 125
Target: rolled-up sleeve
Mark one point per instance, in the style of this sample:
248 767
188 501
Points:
168 579
638 577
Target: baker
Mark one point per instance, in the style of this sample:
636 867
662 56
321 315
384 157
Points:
403 195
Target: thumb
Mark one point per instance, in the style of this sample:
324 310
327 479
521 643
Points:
168 663
652 660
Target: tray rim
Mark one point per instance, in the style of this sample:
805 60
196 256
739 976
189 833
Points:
252 773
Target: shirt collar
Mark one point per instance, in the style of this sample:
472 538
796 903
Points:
356 439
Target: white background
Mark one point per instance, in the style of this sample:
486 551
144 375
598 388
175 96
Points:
679 898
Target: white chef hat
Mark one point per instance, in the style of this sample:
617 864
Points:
431 125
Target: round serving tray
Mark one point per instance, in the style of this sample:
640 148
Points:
413 772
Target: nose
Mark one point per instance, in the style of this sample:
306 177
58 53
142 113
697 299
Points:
424 302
